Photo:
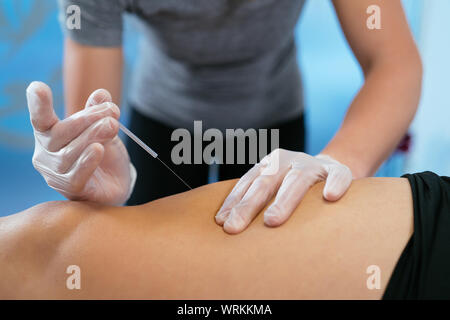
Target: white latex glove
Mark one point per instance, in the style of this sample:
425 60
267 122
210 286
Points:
289 174
81 156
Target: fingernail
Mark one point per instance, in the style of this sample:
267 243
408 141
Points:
330 194
32 97
115 109
110 123
92 102
235 222
220 216
271 216
97 99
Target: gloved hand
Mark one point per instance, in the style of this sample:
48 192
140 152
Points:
289 174
81 156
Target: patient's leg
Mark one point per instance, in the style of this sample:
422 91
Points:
172 248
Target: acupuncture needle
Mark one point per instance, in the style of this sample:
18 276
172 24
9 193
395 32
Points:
141 143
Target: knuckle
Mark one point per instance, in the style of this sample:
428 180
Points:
263 163
299 170
276 152
112 109
294 173
62 159
305 172
263 181
333 194
106 128
60 167
309 175
271 156
303 166
331 166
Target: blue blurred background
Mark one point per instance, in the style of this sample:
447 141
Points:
31 49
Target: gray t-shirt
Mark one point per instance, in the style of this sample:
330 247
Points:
230 63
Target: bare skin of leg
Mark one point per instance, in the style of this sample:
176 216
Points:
172 248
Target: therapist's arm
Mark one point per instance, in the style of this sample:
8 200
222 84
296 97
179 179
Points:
88 68
383 109
375 123
82 156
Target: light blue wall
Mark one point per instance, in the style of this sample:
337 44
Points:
330 72
431 127
31 49
332 75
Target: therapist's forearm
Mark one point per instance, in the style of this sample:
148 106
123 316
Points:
379 116
87 69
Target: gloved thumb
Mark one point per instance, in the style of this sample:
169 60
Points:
40 106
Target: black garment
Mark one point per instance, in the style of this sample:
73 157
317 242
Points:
423 270
154 181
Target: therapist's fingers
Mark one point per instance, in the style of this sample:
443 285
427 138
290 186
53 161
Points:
260 192
295 185
40 106
237 193
73 182
70 128
101 132
87 163
98 97
339 179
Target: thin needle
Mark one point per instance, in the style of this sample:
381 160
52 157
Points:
149 150
174 173
138 141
